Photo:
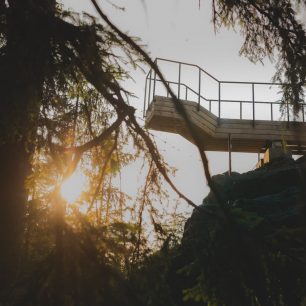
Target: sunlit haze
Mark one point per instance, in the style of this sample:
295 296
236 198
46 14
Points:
73 187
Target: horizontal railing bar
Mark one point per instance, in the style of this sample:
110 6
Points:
247 101
225 82
187 64
223 100
186 86
251 83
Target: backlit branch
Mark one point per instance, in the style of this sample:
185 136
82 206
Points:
103 171
179 107
78 151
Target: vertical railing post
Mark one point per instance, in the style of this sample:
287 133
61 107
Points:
229 144
199 97
303 113
186 95
154 84
144 99
219 102
168 90
240 110
253 103
271 111
288 117
179 81
258 157
149 96
210 105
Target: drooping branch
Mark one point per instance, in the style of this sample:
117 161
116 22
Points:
179 107
95 76
99 139
141 210
105 83
156 158
78 151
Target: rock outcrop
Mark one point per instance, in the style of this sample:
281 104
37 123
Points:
251 252
255 254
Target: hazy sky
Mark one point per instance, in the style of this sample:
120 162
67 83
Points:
179 30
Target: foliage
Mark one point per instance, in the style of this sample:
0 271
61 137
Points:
154 277
257 256
86 270
63 109
273 29
67 111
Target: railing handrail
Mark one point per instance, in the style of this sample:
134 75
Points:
278 102
187 64
219 82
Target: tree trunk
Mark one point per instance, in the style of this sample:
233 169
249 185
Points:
14 168
23 66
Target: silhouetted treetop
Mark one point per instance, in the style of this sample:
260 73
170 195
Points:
270 28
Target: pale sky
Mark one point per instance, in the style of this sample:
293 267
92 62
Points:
179 30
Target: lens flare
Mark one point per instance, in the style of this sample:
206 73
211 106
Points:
73 187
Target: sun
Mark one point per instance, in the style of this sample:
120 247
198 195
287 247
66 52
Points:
73 187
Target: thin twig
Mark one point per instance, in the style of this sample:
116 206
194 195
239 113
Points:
103 171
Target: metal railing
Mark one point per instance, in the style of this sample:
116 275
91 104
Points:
151 89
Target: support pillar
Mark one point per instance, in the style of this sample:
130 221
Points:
229 144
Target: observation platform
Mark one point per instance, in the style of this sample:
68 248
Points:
219 133
214 132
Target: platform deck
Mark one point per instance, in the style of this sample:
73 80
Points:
246 135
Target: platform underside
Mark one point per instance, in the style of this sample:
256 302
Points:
245 136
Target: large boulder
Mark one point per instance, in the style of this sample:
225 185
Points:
250 249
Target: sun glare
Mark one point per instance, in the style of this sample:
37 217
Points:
73 186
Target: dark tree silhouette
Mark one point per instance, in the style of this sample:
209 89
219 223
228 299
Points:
25 61
271 29
43 49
